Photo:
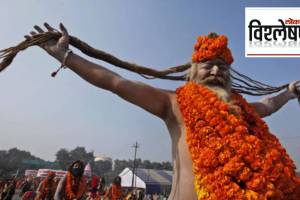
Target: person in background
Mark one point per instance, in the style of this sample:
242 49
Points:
4 189
46 188
115 191
94 190
10 190
102 188
73 185
26 185
30 194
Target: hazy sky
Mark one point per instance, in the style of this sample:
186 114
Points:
41 114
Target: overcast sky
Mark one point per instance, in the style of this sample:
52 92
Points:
41 114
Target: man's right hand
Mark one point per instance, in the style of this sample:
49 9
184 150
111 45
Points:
56 48
294 89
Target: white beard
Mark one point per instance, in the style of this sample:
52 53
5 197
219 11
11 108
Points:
222 93
225 96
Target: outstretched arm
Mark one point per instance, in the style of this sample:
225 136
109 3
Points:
269 105
153 100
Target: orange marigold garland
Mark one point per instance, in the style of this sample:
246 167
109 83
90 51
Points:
234 155
70 194
212 47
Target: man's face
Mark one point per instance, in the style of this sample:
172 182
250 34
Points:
213 73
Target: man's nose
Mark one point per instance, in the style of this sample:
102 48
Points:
215 70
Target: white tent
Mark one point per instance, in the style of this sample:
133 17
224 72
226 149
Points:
126 176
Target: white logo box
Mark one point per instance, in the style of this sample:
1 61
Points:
286 31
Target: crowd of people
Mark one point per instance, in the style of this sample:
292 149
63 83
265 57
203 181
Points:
73 186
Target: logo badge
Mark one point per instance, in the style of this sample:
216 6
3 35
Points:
272 32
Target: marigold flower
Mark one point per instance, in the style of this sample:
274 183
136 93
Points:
212 47
70 194
234 155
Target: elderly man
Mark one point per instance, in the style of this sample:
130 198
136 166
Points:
221 149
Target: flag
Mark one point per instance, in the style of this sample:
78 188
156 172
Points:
88 170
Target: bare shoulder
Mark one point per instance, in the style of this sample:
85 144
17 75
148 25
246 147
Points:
150 98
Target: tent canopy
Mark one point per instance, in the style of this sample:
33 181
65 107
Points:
149 179
155 177
126 176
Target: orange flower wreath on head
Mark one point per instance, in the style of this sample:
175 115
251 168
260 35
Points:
211 47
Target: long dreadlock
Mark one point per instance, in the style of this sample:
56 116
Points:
240 82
